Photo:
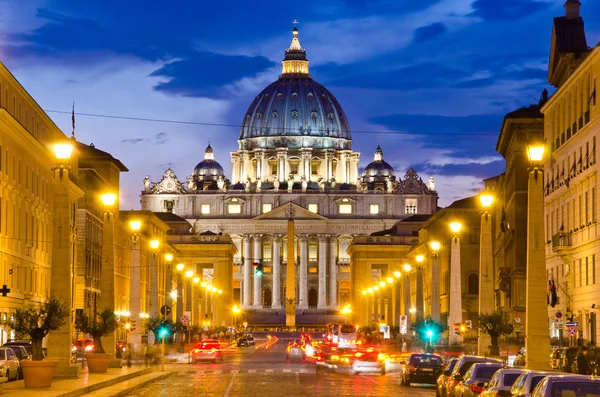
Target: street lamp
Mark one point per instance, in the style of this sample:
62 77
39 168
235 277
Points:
455 227
407 268
345 311
169 257
154 244
180 266
135 225
108 199
537 341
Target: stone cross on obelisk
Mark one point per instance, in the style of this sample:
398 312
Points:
290 281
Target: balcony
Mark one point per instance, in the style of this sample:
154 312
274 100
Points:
561 241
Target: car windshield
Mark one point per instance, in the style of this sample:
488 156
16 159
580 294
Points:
18 353
3 354
425 359
534 381
576 389
466 366
451 365
509 379
486 371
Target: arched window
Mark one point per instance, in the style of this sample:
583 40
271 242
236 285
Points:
312 251
267 251
473 284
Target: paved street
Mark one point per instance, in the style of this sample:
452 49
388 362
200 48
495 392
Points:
250 372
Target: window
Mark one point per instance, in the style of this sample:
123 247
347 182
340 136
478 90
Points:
273 168
205 209
473 235
266 208
411 206
345 208
294 168
313 208
374 209
267 251
312 252
234 209
473 286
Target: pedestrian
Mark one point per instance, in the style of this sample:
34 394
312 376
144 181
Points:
404 346
129 354
583 366
147 354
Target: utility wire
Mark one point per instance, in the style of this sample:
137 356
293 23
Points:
206 124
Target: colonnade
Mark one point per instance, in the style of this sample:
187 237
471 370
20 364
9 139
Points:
252 285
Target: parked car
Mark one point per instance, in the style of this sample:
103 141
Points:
421 368
9 363
368 362
26 345
207 350
443 378
567 386
21 354
502 381
526 382
474 381
460 369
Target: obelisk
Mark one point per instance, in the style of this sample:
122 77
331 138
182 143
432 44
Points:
290 279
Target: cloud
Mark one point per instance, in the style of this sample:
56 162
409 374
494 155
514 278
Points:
495 10
517 75
429 32
160 138
133 140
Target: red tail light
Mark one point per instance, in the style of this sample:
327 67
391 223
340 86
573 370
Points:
477 389
411 368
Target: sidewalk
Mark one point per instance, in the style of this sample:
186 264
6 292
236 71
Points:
76 387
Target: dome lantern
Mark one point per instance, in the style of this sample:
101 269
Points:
295 62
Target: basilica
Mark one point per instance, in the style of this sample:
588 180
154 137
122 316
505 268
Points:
294 157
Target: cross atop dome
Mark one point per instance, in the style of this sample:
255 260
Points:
295 61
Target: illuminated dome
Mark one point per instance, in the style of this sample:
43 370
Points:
378 168
208 169
295 111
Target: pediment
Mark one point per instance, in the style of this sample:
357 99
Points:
283 212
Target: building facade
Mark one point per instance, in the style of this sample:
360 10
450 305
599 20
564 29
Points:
571 129
295 159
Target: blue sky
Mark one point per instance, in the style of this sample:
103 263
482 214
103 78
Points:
435 68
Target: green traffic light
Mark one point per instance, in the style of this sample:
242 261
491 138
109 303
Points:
429 333
163 332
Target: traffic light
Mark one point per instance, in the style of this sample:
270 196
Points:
459 329
132 327
164 329
259 269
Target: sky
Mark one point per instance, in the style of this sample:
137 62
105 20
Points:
431 80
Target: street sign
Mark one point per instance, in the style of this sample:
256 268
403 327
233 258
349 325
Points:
558 314
185 320
572 324
572 331
382 328
518 320
206 328
561 326
165 310
403 324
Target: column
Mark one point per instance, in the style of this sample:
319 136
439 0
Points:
276 303
107 276
257 277
188 294
303 304
135 296
537 342
235 168
419 302
435 287
322 303
407 305
455 309
486 279
61 276
247 271
343 168
179 295
333 272
259 156
281 165
153 309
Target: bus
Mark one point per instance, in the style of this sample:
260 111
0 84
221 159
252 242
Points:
342 335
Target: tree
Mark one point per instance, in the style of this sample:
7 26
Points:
495 324
103 325
38 321
428 330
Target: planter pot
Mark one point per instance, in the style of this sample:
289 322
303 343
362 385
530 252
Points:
38 373
97 362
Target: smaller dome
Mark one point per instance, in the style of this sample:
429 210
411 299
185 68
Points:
378 168
208 168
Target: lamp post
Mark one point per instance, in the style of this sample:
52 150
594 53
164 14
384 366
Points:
62 276
435 280
107 277
153 309
486 268
135 294
455 309
537 343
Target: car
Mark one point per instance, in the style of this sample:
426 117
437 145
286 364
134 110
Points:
26 345
567 386
207 350
294 351
474 381
421 368
524 385
250 339
9 363
21 354
502 381
368 362
443 378
461 368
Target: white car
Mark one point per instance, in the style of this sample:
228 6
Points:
502 381
9 363
525 383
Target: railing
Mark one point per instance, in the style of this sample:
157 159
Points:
561 240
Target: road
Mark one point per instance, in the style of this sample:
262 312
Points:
249 372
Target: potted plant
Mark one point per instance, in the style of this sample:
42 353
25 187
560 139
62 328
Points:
37 322
99 326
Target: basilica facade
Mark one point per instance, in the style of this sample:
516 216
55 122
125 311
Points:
294 158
